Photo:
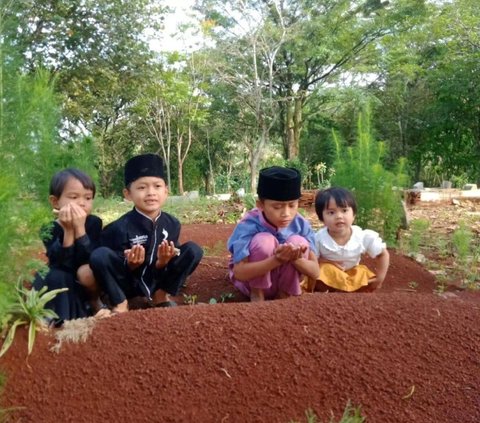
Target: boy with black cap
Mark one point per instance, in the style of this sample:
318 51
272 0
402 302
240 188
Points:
273 245
140 254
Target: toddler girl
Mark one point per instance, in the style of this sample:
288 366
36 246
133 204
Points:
340 245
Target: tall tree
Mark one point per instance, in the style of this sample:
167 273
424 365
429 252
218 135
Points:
327 39
98 52
313 43
173 106
247 45
429 91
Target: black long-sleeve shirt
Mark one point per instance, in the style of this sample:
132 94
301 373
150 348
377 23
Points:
135 228
72 257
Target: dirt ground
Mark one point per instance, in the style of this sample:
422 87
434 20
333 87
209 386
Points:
403 354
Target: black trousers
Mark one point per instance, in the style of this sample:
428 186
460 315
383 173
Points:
119 284
68 305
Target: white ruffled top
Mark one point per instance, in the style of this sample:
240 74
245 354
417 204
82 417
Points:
349 255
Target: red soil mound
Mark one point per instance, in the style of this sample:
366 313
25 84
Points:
402 354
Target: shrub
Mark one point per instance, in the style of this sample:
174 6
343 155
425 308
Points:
359 168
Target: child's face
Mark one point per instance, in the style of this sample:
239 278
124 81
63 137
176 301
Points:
337 219
74 192
148 193
279 213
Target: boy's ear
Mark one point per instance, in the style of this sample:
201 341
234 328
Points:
126 194
259 204
53 201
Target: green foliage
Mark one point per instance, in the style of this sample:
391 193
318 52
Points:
360 169
29 309
468 254
350 415
224 297
28 150
462 242
418 232
190 299
29 127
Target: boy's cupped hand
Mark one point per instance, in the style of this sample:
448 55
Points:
166 250
289 252
71 216
135 256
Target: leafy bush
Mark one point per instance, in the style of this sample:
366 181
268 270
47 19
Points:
359 168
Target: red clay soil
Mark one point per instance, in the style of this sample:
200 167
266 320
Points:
402 354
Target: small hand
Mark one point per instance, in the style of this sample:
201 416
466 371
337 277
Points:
289 252
166 250
135 256
79 216
65 217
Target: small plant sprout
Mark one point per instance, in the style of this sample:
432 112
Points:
190 299
225 296
29 309
413 285
350 415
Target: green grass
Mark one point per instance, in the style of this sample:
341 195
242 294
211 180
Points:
201 210
350 415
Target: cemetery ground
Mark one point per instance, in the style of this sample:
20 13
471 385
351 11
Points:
407 353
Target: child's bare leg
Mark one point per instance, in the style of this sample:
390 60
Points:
257 294
86 278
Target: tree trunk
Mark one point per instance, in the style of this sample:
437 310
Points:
180 164
297 127
289 125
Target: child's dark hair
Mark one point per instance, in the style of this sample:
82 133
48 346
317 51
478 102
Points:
60 179
342 197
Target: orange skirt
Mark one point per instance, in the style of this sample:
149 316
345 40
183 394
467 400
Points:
348 281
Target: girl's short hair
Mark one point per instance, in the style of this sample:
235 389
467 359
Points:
342 197
60 179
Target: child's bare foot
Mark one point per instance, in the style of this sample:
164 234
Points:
161 298
102 313
120 308
100 309
256 294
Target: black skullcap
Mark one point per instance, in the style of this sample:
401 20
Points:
279 184
143 165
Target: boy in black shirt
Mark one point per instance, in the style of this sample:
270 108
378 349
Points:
69 241
140 254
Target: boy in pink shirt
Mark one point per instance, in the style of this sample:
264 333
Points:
273 245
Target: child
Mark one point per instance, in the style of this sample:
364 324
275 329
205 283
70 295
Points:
273 245
69 242
140 255
341 244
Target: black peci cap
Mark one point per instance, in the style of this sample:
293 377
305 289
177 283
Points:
143 165
279 184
